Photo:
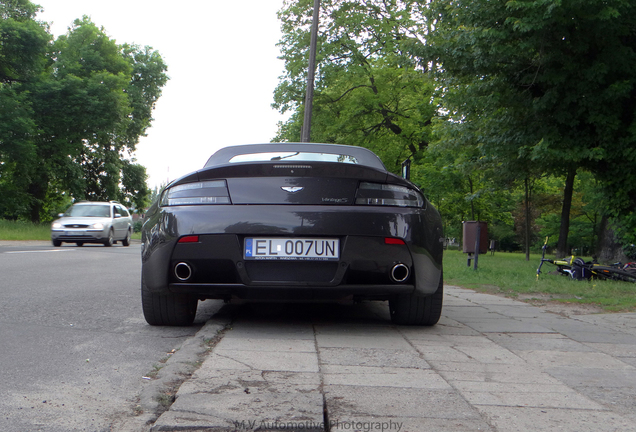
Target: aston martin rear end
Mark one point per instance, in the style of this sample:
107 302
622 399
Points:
292 222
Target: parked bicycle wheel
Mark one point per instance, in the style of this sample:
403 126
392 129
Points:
605 272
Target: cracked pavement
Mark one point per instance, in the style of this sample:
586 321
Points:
491 364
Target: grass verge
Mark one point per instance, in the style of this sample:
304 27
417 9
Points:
511 275
17 230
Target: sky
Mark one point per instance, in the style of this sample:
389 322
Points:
223 68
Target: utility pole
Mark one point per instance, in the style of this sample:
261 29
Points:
305 135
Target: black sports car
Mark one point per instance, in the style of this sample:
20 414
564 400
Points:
292 222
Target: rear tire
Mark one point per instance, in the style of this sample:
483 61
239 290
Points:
411 309
168 309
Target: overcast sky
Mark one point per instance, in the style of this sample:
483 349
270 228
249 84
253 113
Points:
223 68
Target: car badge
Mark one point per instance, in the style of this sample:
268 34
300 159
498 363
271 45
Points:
292 189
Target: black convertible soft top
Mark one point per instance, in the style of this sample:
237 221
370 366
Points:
362 155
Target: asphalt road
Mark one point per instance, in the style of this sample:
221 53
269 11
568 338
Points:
74 346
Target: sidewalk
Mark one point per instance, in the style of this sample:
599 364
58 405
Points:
491 364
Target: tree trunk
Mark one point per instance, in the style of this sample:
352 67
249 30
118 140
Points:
608 249
562 245
38 194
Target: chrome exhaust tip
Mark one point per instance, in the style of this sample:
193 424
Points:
400 273
183 271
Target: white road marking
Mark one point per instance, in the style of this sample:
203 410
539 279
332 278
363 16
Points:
41 251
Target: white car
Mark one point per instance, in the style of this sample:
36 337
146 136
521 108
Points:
93 222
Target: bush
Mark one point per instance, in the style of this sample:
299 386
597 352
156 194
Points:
137 226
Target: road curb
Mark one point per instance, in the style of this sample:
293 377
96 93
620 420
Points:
158 393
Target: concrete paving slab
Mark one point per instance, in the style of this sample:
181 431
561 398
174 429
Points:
505 325
510 419
449 340
267 345
272 361
372 357
491 355
383 377
471 311
442 353
263 329
483 368
510 387
233 412
445 326
549 342
566 399
624 322
595 377
518 311
345 402
507 378
484 299
620 400
215 381
455 301
355 329
615 350
393 341
408 424
629 360
554 359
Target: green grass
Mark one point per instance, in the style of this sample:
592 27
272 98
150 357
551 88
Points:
16 230
510 274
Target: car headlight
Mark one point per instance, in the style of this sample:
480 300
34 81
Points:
56 225
378 194
98 225
205 192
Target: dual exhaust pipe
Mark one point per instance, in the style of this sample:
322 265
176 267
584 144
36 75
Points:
183 271
399 272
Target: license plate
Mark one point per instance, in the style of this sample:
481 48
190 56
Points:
75 233
309 249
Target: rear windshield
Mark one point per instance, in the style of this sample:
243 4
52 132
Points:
294 156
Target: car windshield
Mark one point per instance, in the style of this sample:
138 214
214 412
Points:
89 211
294 156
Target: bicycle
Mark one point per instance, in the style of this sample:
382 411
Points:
578 269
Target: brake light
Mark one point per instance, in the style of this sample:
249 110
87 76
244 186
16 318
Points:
393 241
388 195
197 193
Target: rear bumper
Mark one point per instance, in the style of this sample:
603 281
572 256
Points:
219 269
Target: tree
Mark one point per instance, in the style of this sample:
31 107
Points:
23 44
557 79
368 91
75 109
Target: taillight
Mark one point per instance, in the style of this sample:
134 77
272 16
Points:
379 194
205 192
